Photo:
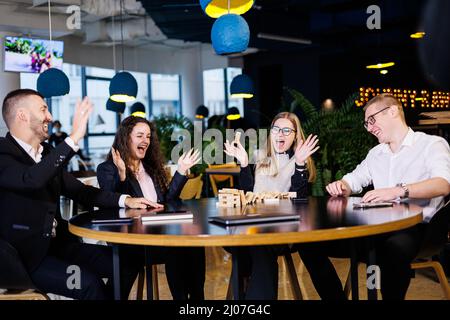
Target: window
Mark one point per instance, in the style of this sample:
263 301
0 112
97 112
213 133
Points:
165 94
164 99
214 90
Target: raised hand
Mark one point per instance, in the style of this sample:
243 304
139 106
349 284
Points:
120 164
305 149
80 119
237 151
188 160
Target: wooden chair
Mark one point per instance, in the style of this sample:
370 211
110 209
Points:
192 189
291 272
14 277
436 237
216 178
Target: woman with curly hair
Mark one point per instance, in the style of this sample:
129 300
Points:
135 166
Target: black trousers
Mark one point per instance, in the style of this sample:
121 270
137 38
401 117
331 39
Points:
185 271
76 270
394 254
259 266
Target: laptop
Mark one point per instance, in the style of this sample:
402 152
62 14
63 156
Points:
253 218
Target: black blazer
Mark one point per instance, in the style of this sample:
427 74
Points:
108 179
29 198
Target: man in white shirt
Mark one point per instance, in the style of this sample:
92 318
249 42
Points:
406 164
31 182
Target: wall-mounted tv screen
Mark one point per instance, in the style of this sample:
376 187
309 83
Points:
32 55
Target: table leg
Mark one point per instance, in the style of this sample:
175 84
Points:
237 281
354 271
206 185
116 271
148 275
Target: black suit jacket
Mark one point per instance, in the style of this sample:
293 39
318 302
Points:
108 179
29 198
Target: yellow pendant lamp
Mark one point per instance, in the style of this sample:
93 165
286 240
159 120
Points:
217 8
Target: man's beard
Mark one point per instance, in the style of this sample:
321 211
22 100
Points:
37 127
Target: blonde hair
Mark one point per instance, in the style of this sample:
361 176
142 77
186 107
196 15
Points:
268 164
386 100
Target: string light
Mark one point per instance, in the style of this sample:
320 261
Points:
408 98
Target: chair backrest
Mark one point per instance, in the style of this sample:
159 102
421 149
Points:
436 233
219 177
13 274
192 189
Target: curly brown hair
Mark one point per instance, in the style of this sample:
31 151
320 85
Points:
153 161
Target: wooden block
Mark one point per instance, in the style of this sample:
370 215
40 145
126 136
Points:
229 200
243 199
230 191
292 195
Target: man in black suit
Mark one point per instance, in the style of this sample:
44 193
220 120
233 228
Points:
31 182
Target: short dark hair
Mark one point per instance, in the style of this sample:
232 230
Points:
11 101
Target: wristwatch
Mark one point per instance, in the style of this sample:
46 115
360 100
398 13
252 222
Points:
405 189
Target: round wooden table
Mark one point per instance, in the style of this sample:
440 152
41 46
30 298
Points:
321 219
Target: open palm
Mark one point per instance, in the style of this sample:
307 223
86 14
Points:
305 149
188 160
237 151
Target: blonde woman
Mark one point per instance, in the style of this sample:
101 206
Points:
285 165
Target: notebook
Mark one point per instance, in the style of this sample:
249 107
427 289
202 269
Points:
253 218
167 215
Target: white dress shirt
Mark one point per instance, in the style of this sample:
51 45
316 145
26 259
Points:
420 157
36 155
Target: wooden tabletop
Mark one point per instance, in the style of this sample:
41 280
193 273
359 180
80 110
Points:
232 171
321 219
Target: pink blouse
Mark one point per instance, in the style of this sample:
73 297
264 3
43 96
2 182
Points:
146 184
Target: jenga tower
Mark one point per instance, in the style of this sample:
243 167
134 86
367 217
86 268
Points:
229 198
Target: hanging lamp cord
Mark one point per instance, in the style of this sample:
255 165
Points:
50 28
114 45
121 33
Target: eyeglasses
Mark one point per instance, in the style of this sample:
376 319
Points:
286 131
371 119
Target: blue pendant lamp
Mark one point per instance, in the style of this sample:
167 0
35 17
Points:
233 114
242 87
118 107
138 110
217 8
202 112
230 34
53 83
123 86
